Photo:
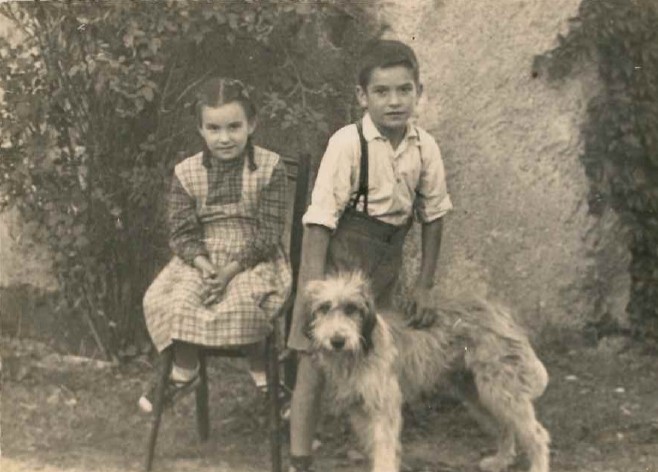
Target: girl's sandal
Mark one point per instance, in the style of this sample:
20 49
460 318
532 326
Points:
174 390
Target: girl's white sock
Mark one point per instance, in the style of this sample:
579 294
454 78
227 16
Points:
181 374
260 379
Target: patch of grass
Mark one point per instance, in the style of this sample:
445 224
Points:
599 407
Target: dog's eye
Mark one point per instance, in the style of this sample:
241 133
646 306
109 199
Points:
350 309
324 308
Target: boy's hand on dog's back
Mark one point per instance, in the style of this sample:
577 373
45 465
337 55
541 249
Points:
420 310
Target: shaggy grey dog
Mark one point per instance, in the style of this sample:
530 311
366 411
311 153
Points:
372 363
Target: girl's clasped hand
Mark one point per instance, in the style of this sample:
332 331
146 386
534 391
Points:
216 283
215 280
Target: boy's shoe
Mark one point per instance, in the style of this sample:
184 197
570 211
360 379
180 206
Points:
301 464
292 468
285 395
174 390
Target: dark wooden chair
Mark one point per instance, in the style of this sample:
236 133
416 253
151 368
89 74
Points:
274 357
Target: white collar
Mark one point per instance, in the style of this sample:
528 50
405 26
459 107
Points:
371 132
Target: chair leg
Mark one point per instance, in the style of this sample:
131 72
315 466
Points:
167 360
272 372
202 417
290 371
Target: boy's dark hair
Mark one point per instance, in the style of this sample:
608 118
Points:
386 53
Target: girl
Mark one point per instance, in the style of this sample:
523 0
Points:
229 274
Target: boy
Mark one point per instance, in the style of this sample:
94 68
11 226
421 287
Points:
374 175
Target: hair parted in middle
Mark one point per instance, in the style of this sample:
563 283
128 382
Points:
219 91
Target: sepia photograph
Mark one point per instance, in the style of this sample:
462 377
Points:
329 236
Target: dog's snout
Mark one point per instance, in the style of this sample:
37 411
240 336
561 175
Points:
337 342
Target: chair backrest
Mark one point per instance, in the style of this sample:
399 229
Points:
301 178
300 174
299 207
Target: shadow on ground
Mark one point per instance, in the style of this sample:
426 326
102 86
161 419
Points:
61 414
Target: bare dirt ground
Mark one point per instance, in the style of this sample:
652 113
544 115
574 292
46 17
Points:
601 408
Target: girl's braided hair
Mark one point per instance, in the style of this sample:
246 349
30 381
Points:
221 91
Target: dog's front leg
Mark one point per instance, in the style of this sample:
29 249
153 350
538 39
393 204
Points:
379 437
386 438
378 424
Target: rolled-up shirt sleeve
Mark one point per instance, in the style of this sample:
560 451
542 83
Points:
334 182
432 199
271 220
185 232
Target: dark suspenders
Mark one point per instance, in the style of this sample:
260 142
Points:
363 173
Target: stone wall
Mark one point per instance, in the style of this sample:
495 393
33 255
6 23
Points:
520 232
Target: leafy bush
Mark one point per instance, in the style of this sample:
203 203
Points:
97 109
621 133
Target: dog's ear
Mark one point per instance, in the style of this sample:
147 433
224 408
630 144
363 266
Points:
369 314
359 281
367 327
308 326
310 295
312 290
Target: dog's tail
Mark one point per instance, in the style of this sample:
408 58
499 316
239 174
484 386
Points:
502 327
473 310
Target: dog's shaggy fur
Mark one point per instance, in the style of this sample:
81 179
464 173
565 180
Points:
372 363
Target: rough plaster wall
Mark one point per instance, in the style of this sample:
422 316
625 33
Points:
520 231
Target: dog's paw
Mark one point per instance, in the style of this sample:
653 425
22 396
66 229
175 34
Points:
494 464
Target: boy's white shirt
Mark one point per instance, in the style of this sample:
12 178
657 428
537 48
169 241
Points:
411 177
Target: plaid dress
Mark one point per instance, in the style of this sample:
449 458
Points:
226 211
